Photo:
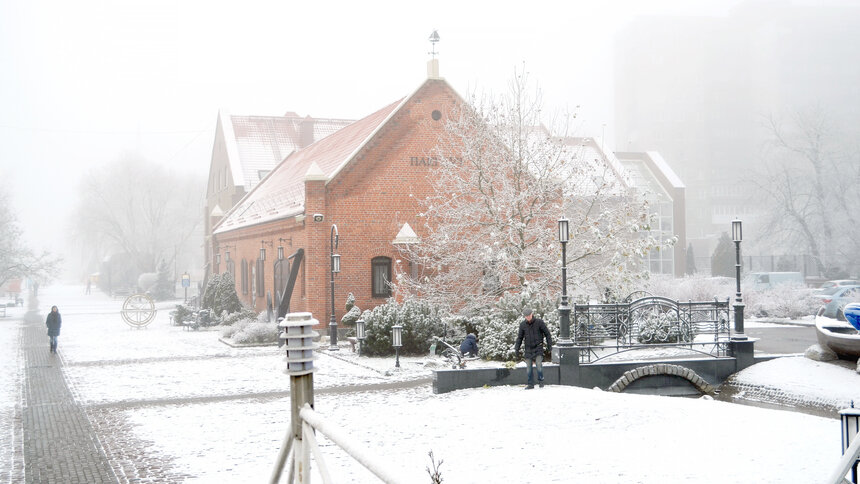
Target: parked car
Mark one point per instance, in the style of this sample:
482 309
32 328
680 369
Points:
833 304
839 283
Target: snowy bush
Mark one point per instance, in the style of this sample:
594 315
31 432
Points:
229 331
250 330
497 328
232 318
662 327
784 301
220 295
691 288
181 314
256 332
421 323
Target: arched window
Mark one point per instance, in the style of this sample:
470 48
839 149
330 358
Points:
380 276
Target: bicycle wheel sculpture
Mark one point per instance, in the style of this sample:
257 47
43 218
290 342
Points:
138 310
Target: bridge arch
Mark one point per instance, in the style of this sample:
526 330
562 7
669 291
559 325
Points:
661 369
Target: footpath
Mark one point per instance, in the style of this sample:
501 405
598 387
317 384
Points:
58 443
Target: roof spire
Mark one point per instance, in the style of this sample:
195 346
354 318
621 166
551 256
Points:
434 37
433 63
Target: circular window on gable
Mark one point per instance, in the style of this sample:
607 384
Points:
436 115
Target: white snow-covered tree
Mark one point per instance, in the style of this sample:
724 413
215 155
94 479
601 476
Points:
501 183
809 188
140 209
17 260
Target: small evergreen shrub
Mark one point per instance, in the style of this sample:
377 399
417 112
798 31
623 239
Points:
353 312
421 323
220 295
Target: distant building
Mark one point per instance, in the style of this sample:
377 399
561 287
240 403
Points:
246 149
699 91
648 172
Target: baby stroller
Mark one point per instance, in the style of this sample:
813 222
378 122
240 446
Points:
453 356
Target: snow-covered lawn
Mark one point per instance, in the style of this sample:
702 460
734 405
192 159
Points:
157 383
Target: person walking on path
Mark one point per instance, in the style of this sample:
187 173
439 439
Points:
53 322
89 283
532 331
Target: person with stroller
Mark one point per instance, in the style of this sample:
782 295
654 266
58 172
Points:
469 346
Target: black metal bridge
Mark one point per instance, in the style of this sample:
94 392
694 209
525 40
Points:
647 345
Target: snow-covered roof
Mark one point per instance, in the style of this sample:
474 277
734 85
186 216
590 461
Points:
281 193
256 144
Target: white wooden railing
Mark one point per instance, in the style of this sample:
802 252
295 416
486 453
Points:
300 442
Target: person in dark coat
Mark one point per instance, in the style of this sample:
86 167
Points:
469 346
53 322
533 331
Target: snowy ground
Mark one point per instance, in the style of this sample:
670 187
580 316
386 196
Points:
179 406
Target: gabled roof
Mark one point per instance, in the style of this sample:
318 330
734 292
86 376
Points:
256 144
282 193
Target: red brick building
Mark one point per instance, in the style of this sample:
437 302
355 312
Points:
367 178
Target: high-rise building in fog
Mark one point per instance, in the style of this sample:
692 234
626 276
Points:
699 90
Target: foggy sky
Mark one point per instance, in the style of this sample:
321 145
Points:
84 83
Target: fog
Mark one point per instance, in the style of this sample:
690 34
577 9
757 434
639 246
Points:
83 84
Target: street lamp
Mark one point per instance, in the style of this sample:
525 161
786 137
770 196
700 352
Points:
360 333
335 268
737 237
397 342
564 307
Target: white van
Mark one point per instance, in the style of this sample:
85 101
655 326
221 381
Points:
769 280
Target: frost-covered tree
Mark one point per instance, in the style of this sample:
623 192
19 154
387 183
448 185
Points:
164 284
809 189
724 257
502 181
17 261
137 208
690 261
220 295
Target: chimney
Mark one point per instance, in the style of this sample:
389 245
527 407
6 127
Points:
306 131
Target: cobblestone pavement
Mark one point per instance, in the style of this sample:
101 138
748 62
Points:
59 444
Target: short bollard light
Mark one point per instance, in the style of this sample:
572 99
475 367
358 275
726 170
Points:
360 333
397 342
850 431
297 331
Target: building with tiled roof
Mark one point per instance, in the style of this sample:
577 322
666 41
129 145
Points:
247 148
366 179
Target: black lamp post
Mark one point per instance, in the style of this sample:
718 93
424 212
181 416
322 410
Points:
360 333
397 342
564 308
335 268
737 237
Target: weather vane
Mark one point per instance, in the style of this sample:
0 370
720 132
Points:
434 37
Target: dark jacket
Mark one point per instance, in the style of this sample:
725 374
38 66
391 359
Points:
533 334
53 322
469 346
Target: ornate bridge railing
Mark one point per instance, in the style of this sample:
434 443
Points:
605 330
